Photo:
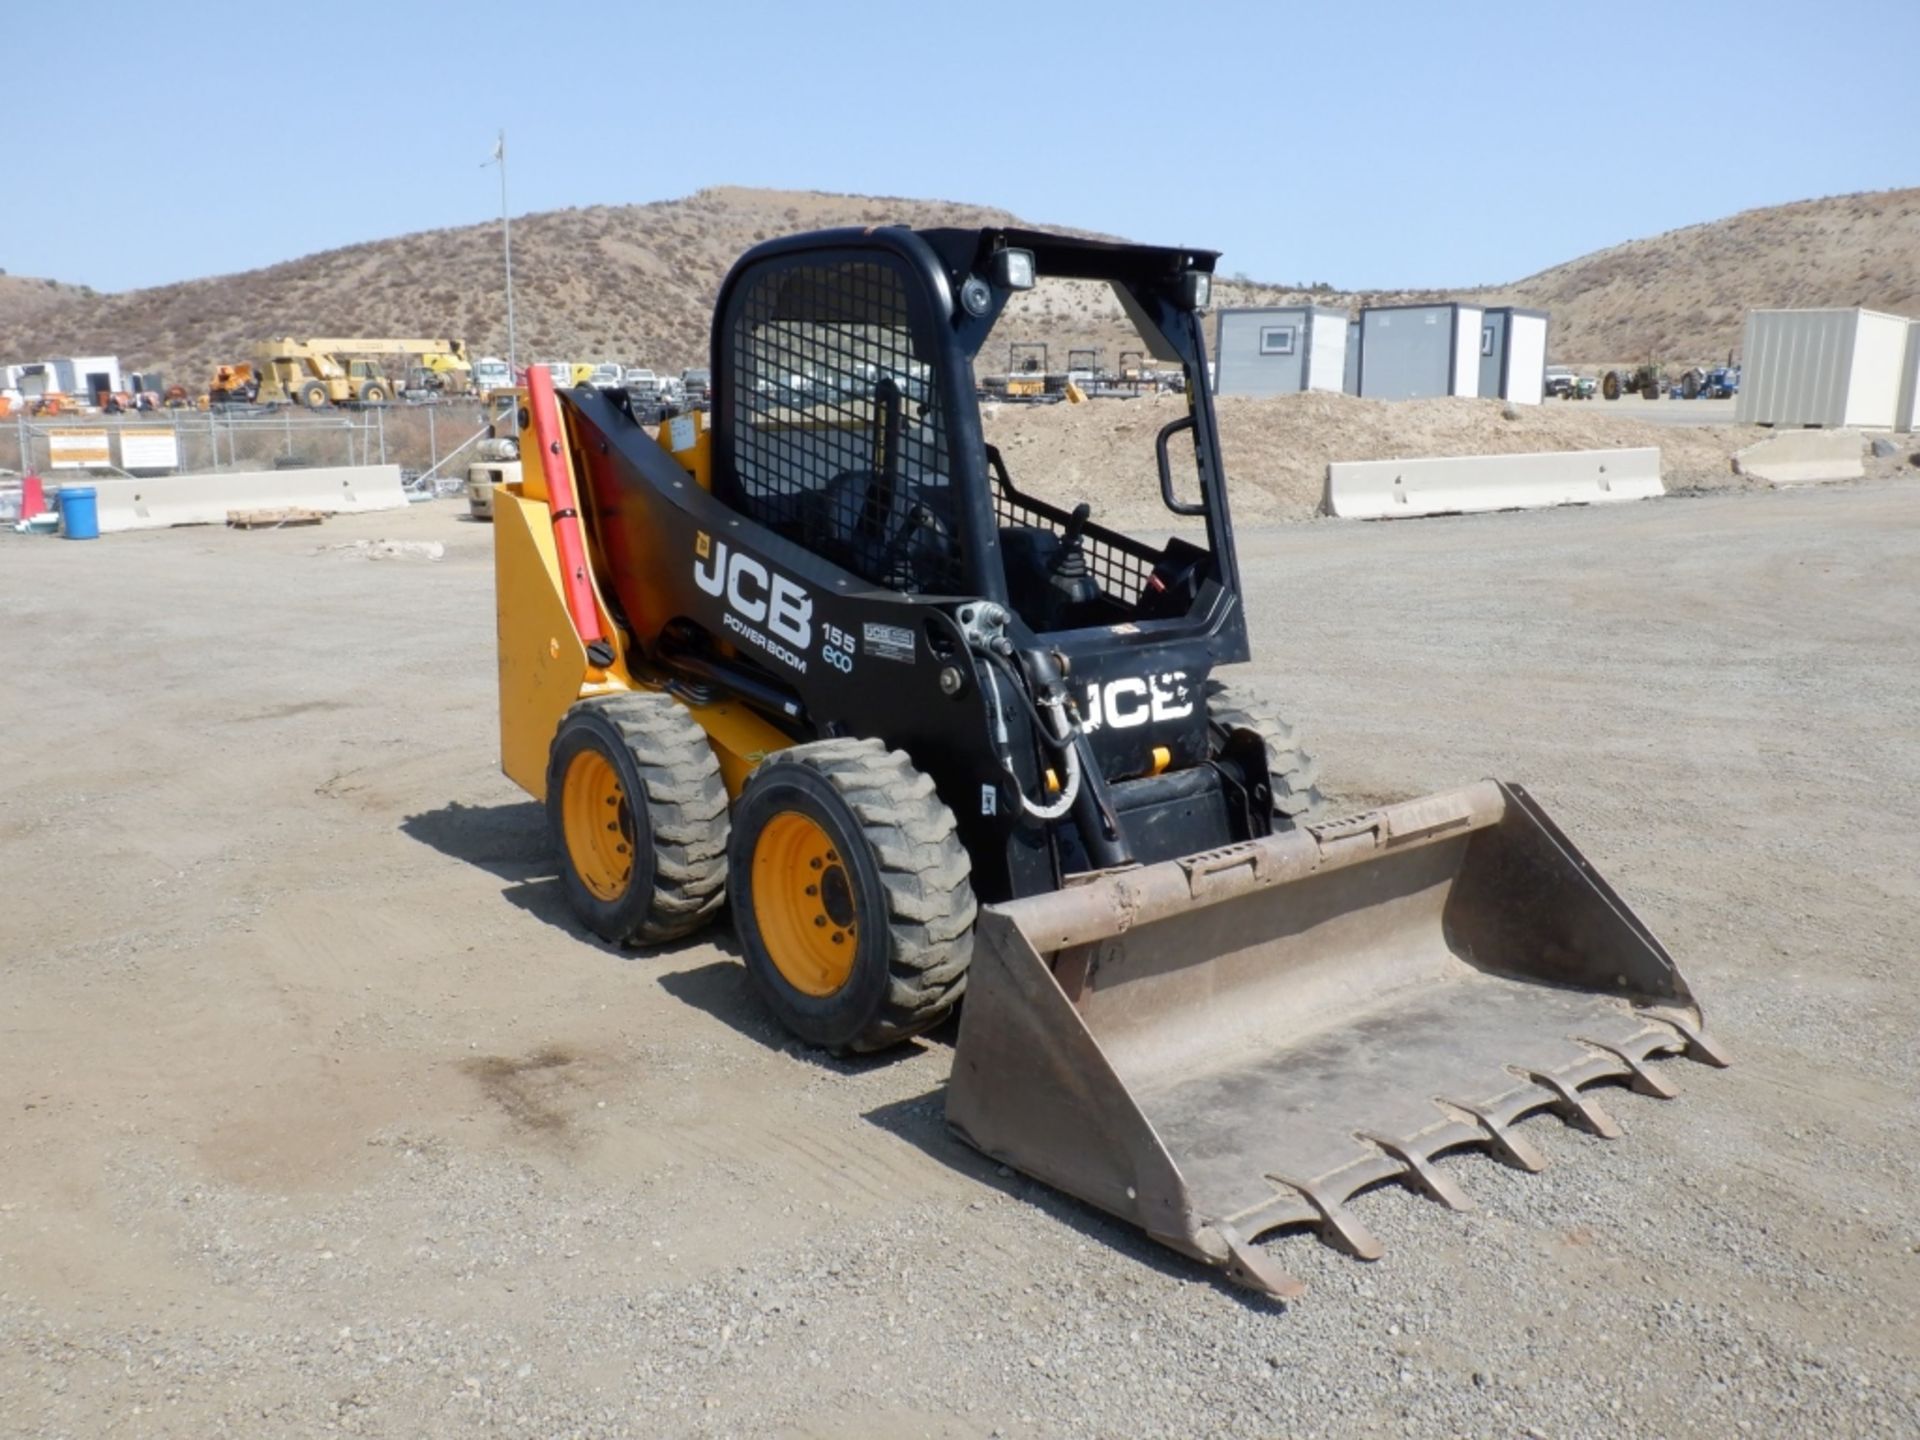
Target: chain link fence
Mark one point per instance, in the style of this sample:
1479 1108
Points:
422 439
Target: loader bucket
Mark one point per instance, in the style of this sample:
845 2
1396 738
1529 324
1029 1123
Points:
1218 1046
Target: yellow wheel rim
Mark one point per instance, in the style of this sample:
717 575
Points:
599 826
803 904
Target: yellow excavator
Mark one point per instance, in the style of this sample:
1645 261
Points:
943 745
317 373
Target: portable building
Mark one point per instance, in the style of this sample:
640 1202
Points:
1907 413
1351 380
1409 352
84 376
1821 367
1280 349
31 380
1513 354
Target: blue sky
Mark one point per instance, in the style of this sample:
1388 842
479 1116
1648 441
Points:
1360 144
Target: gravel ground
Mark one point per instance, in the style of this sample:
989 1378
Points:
322 1118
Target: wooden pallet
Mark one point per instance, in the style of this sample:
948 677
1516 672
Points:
273 519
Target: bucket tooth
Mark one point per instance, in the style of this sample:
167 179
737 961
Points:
1250 1266
1514 1149
1579 1105
1336 1220
1423 1174
1645 1079
1698 1046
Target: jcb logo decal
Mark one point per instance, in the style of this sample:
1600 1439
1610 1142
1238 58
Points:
755 593
1133 700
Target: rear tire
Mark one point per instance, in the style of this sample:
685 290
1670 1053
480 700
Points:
313 395
637 873
1292 773
851 896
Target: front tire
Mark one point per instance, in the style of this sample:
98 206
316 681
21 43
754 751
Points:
638 814
1292 774
851 896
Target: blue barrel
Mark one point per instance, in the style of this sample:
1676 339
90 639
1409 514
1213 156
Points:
79 512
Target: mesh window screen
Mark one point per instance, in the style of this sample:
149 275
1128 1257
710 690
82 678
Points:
1119 564
838 439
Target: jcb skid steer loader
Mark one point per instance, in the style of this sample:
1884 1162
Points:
933 736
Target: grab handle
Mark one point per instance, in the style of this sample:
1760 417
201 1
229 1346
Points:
1167 432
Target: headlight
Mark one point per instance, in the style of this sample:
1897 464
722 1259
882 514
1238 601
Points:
1013 269
1197 289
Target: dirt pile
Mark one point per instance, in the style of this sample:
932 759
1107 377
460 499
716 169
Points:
1277 449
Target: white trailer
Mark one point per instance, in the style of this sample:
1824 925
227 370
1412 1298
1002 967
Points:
1513 354
1280 350
1907 412
1410 352
84 377
1822 368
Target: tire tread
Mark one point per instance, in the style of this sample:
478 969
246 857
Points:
1293 772
686 808
924 869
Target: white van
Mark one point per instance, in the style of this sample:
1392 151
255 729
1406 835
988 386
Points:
492 373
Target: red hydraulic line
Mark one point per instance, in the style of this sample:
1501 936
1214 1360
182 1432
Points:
561 502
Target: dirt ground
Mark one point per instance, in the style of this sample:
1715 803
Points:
1277 448
319 1116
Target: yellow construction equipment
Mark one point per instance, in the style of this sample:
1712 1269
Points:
317 373
233 385
815 655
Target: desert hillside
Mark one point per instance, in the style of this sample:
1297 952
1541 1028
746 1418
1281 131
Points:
1683 295
23 299
636 283
627 282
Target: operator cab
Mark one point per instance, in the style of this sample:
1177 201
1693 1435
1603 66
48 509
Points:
849 421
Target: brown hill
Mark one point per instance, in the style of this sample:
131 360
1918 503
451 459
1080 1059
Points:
636 283
1678 297
24 298
633 283
1684 295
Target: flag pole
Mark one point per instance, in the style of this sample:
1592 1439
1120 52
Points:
506 246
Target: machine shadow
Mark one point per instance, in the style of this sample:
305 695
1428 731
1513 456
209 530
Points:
509 841
921 1122
721 989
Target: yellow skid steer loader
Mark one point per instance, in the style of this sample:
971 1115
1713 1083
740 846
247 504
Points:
816 656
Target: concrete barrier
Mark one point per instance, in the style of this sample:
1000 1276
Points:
1468 484
130 504
1804 457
